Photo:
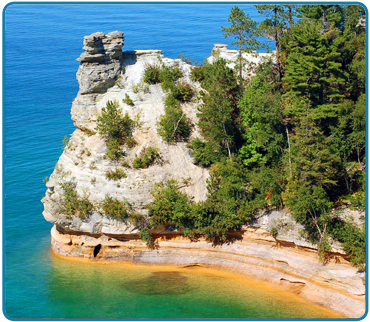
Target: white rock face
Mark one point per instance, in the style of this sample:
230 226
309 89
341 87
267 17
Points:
83 161
231 56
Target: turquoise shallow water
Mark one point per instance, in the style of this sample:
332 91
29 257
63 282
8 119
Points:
41 45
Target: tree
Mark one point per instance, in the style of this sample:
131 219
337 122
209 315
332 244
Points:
218 114
273 27
244 30
115 128
261 114
326 15
173 125
313 69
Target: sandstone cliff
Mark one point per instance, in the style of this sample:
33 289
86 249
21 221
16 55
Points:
106 73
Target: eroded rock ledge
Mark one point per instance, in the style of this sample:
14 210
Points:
253 252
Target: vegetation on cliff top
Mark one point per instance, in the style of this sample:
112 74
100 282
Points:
292 136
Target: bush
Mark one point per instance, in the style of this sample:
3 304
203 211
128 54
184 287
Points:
204 153
173 125
146 159
115 175
72 204
115 208
182 91
115 128
274 231
154 74
169 205
196 74
151 74
131 142
127 100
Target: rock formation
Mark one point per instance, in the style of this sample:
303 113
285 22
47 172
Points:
108 74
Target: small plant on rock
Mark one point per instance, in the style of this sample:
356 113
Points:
115 175
114 208
147 158
72 203
127 100
196 74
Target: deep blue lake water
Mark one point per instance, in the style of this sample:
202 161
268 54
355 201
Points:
41 45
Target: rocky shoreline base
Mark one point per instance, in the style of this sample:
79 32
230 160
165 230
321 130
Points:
336 286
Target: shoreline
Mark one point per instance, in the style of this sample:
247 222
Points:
214 270
331 287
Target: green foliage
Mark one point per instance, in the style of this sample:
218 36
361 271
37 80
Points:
313 69
145 235
114 208
262 117
151 74
196 73
326 15
65 141
115 175
115 128
219 113
182 91
72 203
274 231
140 87
173 125
127 100
353 239
204 153
267 185
244 30
118 82
170 206
88 131
147 157
160 73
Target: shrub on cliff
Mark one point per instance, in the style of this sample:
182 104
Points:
182 91
160 73
114 208
115 174
170 206
115 128
72 203
146 159
173 125
196 73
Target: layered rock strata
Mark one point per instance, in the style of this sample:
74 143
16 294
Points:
107 73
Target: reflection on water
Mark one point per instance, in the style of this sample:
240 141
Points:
164 283
79 290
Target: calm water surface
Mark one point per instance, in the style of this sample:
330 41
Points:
42 43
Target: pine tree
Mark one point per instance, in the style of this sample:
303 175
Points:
273 27
218 114
244 30
312 69
326 15
261 114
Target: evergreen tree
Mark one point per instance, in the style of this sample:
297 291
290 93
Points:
326 15
218 114
313 71
273 27
244 30
261 114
